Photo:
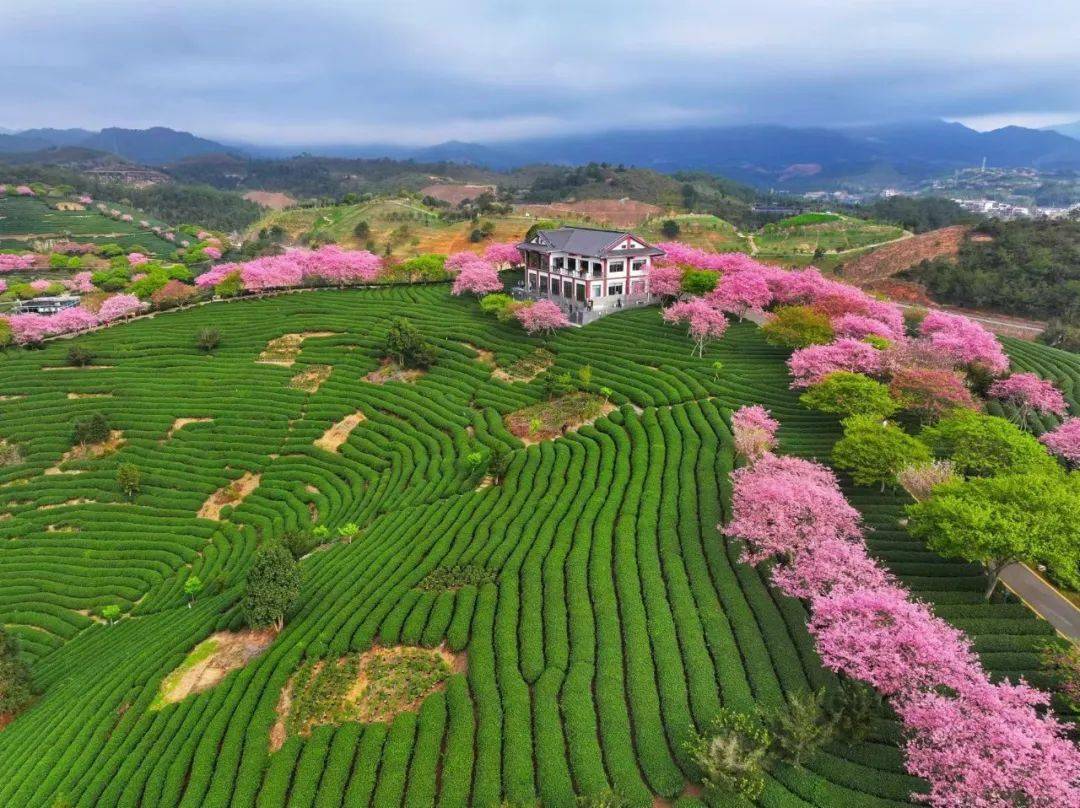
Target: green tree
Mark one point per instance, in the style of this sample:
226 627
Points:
207 339
733 755
852 709
500 462
699 282
362 230
797 327
407 346
844 393
79 357
585 376
874 451
16 685
94 429
1033 517
669 228
129 478
111 613
273 587
799 728
983 445
192 587
6 336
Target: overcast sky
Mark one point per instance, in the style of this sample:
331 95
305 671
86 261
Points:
424 71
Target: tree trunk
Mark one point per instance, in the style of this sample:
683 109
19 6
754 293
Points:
992 573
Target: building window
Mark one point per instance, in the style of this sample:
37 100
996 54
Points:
597 269
568 288
580 293
532 281
637 266
598 290
615 267
543 283
614 289
571 264
558 262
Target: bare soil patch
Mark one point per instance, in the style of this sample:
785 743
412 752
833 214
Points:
12 398
893 258
527 368
180 423
88 451
483 356
274 200
336 435
550 419
311 379
78 396
391 371
232 494
80 367
284 349
66 503
210 661
372 686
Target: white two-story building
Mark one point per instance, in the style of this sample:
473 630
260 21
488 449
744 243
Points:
588 272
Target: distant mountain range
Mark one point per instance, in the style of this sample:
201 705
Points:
155 146
767 156
794 158
1070 129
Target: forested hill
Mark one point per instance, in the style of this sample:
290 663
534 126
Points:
1022 267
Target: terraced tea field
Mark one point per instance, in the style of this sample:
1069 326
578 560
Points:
604 618
31 223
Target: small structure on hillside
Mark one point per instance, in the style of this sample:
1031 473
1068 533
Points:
588 272
46 305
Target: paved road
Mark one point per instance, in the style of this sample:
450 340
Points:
1047 602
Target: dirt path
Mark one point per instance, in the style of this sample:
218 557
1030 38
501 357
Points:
337 434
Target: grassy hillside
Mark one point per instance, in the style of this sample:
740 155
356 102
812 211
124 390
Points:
611 617
33 224
412 227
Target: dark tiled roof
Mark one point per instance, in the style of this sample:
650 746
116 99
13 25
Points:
586 241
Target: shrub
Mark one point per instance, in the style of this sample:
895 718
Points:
5 333
852 710
128 478
192 587
699 282
844 393
669 228
451 578
799 728
111 613
16 686
207 339
732 756
229 286
301 542
78 357
797 327
94 429
875 451
407 346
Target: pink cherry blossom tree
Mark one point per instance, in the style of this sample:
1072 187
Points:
665 281
543 317
754 431
502 254
1028 394
964 341
455 261
810 365
478 277
213 253
135 259
704 323
24 190
1065 441
741 293
860 326
120 306
13 263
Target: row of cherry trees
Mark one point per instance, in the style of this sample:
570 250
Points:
975 742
